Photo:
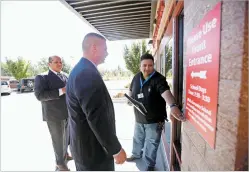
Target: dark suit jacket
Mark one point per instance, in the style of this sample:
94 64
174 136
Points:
91 116
47 87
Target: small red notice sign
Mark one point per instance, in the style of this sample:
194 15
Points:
203 52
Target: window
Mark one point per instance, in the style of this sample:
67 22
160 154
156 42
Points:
4 83
168 63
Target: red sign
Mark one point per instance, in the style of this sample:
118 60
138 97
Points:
203 52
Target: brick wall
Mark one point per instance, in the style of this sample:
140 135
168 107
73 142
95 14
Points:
232 114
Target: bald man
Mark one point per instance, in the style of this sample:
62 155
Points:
93 141
50 90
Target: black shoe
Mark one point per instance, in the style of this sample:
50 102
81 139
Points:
150 169
131 158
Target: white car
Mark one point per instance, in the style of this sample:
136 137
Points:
5 87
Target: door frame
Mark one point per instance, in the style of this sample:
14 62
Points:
177 66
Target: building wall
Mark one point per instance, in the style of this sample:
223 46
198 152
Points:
231 148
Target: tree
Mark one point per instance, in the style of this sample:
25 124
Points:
43 65
132 55
18 68
33 70
66 67
168 64
4 70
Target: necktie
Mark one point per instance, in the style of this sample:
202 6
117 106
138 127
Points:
61 77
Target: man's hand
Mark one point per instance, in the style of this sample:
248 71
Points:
63 90
175 111
121 157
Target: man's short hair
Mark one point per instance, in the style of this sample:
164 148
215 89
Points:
50 59
147 56
85 44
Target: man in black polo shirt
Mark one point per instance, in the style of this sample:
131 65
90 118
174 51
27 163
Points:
151 89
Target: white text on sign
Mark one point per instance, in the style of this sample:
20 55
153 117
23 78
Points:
207 27
200 60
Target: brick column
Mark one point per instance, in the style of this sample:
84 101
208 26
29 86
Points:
231 149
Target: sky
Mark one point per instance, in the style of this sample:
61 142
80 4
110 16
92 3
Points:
37 29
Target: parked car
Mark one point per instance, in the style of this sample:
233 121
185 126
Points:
14 84
26 84
5 87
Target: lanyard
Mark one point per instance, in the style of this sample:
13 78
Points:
142 83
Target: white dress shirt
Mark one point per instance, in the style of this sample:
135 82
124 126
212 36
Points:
60 90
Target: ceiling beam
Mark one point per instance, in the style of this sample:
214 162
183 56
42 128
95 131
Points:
122 17
129 25
126 29
100 4
125 37
116 19
120 20
125 34
122 38
108 12
127 22
79 2
79 15
116 6
118 14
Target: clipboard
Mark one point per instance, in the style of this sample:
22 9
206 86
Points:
138 105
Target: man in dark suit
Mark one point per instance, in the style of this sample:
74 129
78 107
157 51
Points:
50 90
93 141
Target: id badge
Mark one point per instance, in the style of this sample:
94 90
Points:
140 96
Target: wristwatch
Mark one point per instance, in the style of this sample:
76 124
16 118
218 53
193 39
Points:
174 104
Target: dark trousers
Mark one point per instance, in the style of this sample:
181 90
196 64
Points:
107 165
59 134
68 135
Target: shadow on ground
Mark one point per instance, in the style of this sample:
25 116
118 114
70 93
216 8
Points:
141 165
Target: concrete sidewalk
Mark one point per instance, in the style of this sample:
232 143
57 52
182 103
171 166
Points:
26 143
124 126
125 121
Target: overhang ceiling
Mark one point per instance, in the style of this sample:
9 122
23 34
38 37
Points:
117 19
